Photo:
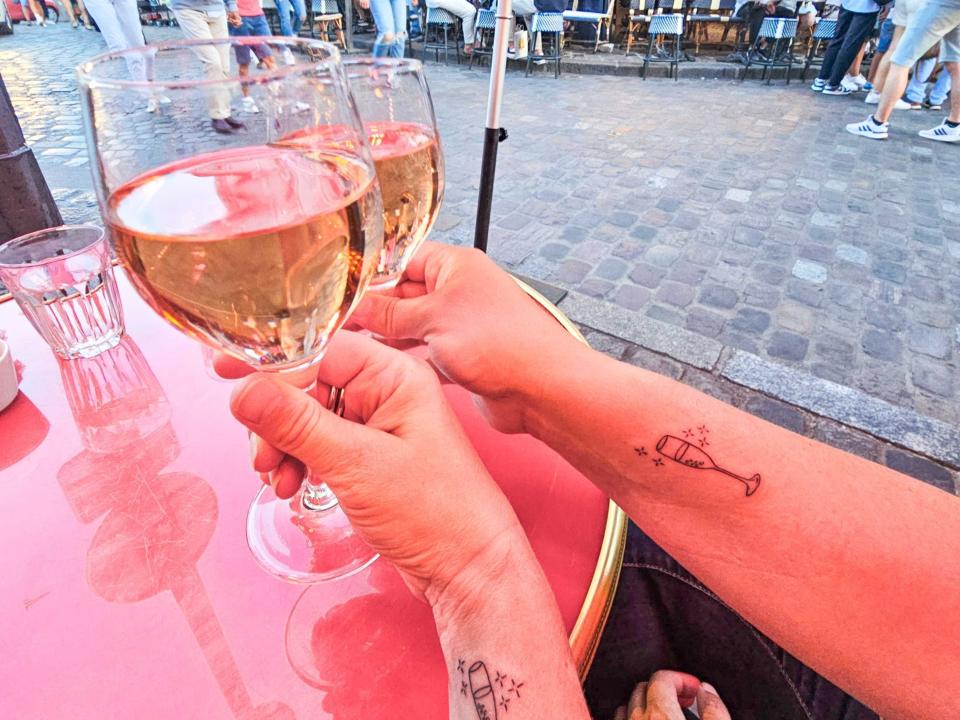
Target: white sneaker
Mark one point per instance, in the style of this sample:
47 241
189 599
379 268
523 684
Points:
870 128
872 98
818 85
902 104
942 133
858 80
248 105
288 58
850 84
153 105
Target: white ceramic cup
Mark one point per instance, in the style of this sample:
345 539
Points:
8 376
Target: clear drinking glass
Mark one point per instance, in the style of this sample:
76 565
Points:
397 112
258 240
62 278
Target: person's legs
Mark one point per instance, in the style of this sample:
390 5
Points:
857 64
883 47
39 11
399 9
465 11
198 25
833 47
105 13
382 11
861 25
917 87
68 9
128 16
299 16
664 618
284 11
940 89
884 68
936 20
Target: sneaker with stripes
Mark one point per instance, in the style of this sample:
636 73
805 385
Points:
818 85
837 90
870 128
943 132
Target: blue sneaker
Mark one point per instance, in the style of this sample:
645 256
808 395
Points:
818 85
868 86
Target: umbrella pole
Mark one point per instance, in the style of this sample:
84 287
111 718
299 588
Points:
493 134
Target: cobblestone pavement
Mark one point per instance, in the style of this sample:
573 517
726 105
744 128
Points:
740 212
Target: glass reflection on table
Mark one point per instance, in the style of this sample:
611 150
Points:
157 524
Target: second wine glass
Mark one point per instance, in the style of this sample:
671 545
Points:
397 113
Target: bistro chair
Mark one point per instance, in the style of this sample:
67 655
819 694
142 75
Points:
485 27
822 34
550 27
599 21
779 34
702 14
638 17
327 19
441 24
665 27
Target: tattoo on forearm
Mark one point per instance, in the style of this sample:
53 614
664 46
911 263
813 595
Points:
488 695
686 452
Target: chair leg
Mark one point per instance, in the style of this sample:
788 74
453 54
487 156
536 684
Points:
343 41
789 60
646 58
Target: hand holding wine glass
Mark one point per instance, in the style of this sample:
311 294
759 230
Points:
404 471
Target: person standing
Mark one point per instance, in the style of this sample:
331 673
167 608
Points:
854 25
253 23
207 20
119 23
936 21
390 17
286 9
903 13
34 9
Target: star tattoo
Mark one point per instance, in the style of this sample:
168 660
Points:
688 433
658 462
460 665
703 429
704 442
640 451
463 688
500 678
505 703
515 688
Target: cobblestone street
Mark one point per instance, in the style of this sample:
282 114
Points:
736 219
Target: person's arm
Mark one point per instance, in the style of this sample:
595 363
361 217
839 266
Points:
848 565
413 487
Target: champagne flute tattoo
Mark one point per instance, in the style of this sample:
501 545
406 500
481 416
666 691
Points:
486 694
686 452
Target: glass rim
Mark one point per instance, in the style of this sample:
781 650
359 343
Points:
38 234
405 64
86 71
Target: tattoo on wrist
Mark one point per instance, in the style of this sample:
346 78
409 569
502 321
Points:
490 696
689 452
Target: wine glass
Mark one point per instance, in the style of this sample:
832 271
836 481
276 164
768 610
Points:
397 113
257 240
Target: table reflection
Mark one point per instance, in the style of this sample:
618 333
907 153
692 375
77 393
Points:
22 428
378 648
157 524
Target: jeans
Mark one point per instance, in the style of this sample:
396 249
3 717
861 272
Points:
852 30
917 89
215 58
287 7
664 618
119 23
390 17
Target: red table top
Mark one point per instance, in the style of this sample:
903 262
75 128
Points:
128 590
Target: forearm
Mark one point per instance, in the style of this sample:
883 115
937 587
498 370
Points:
504 642
850 566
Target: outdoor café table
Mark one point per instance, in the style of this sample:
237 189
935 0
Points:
126 586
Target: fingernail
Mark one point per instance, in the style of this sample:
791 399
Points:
251 398
709 688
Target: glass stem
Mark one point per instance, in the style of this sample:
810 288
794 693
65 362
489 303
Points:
317 496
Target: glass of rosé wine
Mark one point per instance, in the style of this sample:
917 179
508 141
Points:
256 235
397 113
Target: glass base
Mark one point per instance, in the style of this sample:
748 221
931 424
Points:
304 546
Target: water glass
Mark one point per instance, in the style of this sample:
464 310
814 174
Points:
62 278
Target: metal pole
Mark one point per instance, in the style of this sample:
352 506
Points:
348 19
493 134
25 200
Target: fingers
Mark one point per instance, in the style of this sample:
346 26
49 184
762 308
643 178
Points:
710 705
393 317
669 688
230 368
621 713
286 479
638 702
264 457
294 423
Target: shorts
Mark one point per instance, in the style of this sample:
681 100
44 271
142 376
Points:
251 26
886 35
904 11
934 21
